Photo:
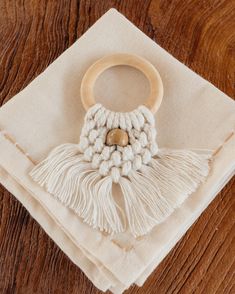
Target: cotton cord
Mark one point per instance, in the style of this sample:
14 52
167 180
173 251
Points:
118 161
153 181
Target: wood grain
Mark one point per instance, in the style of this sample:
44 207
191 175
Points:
200 34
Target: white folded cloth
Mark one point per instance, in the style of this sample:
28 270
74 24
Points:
48 112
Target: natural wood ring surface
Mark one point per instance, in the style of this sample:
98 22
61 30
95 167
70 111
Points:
154 100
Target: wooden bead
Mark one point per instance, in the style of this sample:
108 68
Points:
117 137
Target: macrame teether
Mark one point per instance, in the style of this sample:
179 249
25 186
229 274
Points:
121 148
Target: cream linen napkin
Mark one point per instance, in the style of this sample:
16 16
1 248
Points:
48 112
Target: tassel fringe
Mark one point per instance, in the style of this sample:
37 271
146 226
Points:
150 194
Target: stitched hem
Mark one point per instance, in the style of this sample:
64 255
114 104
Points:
141 239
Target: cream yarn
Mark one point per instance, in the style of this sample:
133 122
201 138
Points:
153 181
118 161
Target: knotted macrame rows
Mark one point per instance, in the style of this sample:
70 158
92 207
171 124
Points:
116 160
153 182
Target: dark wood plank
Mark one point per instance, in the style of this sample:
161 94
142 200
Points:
199 34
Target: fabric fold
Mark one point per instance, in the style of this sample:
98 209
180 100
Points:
48 112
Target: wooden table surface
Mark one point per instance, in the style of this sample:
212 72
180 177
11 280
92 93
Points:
200 34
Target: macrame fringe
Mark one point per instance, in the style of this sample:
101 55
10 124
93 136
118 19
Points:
150 194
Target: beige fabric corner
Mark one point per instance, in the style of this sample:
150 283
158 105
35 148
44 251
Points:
48 112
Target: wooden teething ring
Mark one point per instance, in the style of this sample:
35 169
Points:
154 100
